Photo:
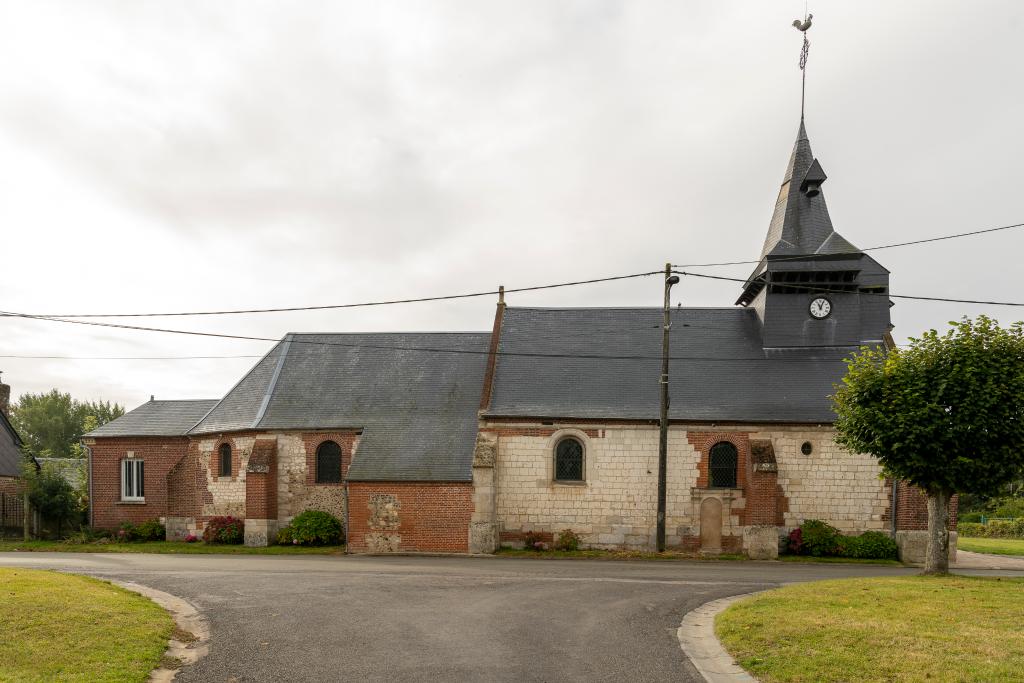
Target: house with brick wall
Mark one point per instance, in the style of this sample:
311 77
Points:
462 442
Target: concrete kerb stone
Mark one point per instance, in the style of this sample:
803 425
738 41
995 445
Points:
697 638
187 618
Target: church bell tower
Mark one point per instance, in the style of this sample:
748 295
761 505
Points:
813 288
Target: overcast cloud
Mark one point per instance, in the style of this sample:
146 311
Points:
198 155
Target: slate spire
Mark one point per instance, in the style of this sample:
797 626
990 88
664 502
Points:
800 224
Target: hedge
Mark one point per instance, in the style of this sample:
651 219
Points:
996 528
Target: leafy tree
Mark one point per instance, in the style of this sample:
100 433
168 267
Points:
51 494
51 424
945 414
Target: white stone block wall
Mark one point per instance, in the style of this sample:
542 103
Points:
831 484
616 506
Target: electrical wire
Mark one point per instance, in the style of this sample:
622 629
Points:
883 246
367 304
825 290
427 349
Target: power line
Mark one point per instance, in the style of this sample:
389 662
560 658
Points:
825 290
884 246
367 304
517 289
425 349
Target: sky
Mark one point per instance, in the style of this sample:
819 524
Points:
170 156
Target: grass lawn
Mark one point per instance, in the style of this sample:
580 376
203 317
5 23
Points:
72 628
910 628
166 547
996 546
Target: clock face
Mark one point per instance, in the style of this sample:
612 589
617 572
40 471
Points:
820 308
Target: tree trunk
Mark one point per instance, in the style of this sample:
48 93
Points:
936 559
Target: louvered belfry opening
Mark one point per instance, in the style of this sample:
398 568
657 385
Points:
722 462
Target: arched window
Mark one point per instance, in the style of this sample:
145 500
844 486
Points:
569 460
328 463
225 459
722 460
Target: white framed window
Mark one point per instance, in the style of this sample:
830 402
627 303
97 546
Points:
133 479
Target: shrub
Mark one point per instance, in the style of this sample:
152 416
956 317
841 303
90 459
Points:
568 540
316 527
870 545
534 541
191 538
284 536
976 530
151 530
795 543
971 517
125 533
229 530
819 538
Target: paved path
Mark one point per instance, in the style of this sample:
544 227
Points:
969 560
430 618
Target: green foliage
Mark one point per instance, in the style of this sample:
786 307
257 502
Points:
943 414
284 536
151 530
568 540
870 545
51 495
227 530
971 517
1006 507
52 424
819 539
995 528
315 527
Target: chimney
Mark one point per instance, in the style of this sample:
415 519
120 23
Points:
5 397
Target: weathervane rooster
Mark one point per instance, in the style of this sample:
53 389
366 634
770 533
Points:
802 26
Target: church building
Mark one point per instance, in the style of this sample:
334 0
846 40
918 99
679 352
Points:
465 442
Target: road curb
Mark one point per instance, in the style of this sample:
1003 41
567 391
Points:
187 618
697 638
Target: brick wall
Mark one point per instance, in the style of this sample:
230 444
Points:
409 516
261 481
160 454
912 508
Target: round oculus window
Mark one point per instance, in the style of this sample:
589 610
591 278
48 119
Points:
806 448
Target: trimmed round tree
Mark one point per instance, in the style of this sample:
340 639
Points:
945 414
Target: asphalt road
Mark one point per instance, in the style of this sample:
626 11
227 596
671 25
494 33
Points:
439 618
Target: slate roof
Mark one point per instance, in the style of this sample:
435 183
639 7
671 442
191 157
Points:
720 371
417 409
10 449
157 418
801 224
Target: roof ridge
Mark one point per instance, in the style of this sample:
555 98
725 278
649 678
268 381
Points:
233 387
347 334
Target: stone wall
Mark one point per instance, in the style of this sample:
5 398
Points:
831 484
616 505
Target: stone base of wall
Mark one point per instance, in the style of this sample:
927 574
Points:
483 537
761 542
178 528
260 533
913 545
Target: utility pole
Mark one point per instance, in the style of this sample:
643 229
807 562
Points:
670 280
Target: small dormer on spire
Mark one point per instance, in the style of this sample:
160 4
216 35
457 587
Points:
815 176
